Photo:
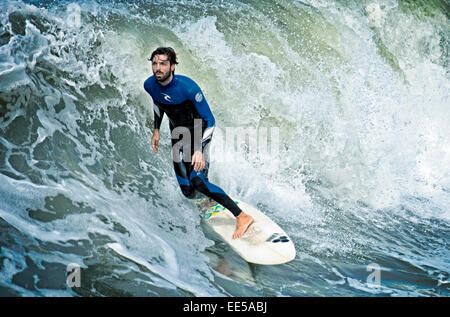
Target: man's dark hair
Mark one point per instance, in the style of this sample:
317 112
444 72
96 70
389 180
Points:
165 51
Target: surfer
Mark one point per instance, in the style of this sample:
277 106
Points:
191 119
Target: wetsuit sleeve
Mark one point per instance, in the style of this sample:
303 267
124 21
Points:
157 113
157 116
200 103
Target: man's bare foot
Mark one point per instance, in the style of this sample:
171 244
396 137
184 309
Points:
243 222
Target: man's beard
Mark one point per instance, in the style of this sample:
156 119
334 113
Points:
164 77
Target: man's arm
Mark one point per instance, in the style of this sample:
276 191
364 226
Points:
155 140
200 103
157 119
195 95
157 116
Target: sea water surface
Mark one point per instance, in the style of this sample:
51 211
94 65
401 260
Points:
356 92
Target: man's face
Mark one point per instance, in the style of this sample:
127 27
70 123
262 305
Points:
161 67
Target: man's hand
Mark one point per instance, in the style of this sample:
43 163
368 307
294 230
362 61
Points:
198 161
155 141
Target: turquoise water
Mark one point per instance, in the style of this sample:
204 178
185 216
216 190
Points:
355 92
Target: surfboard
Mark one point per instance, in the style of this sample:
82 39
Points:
264 242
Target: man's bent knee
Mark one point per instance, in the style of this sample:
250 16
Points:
188 192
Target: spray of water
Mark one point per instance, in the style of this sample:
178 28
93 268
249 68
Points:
357 94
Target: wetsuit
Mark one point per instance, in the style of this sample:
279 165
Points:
191 125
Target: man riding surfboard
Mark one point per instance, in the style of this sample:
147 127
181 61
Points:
190 117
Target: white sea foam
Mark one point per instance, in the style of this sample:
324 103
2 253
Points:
360 104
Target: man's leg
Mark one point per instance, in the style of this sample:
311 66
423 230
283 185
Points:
182 171
199 179
191 181
199 182
202 185
185 185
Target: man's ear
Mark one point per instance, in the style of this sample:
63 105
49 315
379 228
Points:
172 67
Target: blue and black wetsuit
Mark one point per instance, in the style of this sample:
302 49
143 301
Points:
188 112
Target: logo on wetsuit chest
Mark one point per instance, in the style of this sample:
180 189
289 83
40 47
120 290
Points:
167 97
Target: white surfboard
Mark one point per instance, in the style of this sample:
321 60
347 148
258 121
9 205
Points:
264 242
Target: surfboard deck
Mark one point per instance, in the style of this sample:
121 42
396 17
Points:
264 242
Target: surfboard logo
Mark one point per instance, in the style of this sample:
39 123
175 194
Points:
276 237
211 211
215 209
